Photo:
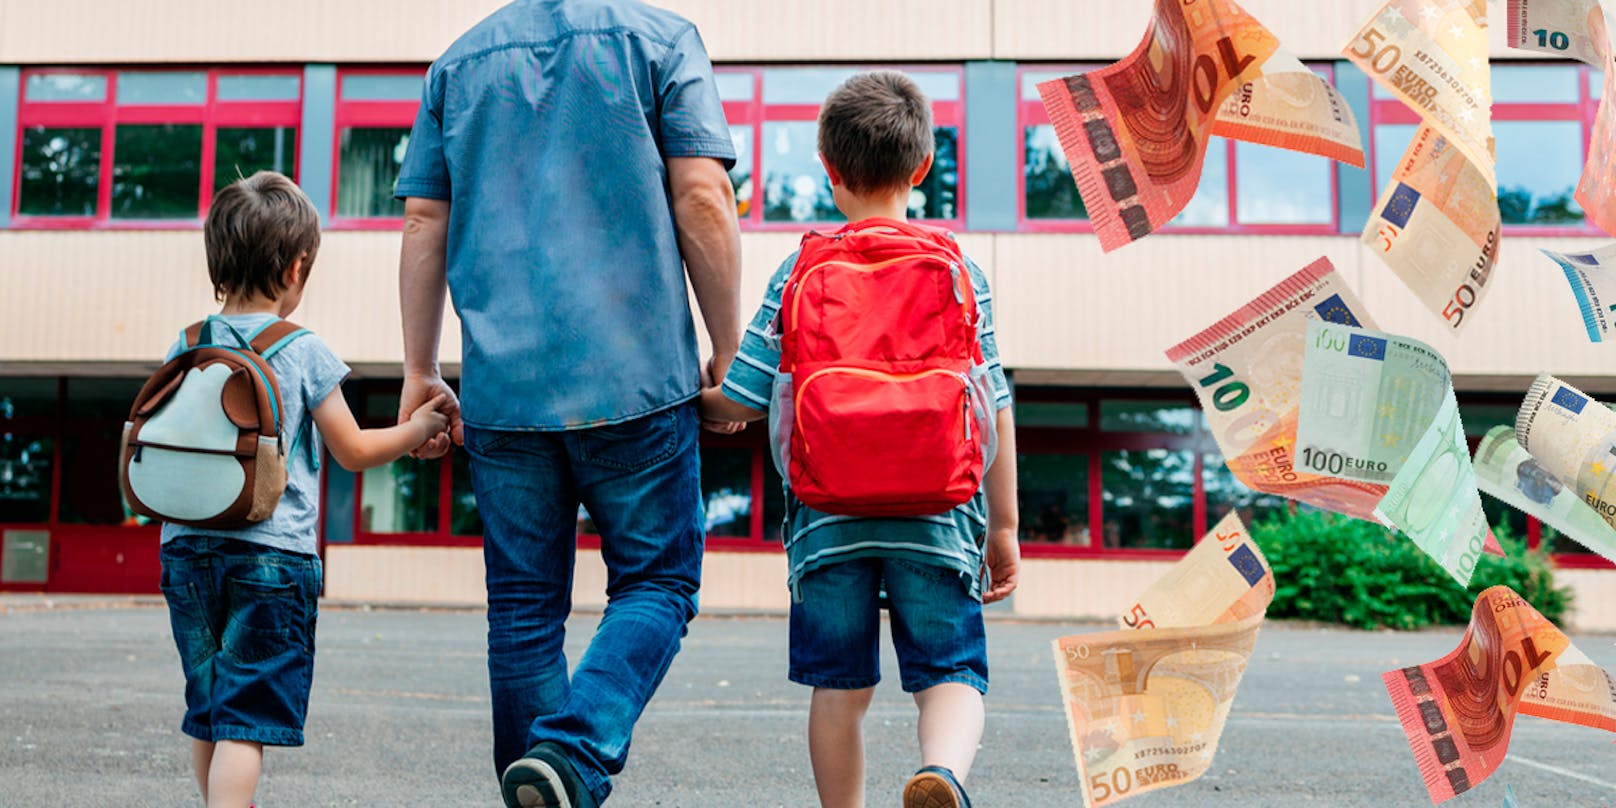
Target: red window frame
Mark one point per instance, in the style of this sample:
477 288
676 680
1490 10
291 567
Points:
1031 112
1390 111
107 114
362 114
754 113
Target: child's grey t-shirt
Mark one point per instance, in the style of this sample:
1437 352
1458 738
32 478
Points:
307 372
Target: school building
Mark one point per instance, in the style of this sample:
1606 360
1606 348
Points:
118 121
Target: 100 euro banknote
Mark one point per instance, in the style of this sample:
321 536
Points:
1135 132
1247 371
1146 705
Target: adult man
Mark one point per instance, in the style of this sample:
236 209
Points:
565 173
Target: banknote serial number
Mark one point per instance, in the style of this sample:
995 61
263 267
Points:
1333 462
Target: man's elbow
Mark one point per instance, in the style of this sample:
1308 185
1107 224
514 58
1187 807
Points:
423 215
705 202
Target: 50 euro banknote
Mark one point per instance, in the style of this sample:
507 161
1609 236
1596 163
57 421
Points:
1146 705
1580 29
1135 132
1246 370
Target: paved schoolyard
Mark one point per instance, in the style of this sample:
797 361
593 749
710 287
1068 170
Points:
90 703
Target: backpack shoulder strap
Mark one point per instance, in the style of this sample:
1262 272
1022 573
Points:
192 335
278 334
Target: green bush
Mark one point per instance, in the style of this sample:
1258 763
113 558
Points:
1334 569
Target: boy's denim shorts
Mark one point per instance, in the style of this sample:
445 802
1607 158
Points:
936 626
243 617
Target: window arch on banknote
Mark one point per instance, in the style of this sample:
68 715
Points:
1244 189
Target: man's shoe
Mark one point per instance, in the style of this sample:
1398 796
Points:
544 778
934 787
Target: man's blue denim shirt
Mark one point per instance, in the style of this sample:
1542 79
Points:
547 126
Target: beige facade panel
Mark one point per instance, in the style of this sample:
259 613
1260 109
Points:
1105 30
212 31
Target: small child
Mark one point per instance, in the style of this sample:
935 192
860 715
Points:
876 142
243 602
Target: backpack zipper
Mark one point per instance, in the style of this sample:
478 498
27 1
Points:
965 381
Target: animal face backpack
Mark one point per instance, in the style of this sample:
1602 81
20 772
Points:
204 445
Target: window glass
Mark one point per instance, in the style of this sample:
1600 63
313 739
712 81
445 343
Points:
368 170
795 187
27 398
65 87
726 490
1539 163
1052 413
253 87
1225 492
1210 205
1052 495
741 175
90 493
1596 84
156 171
61 171
1391 140
1173 417
401 497
774 501
1149 498
102 398
1047 178
239 152
734 86
937 196
25 477
162 88
463 517
1032 78
1534 84
1278 186
382 88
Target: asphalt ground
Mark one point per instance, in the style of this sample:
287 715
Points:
91 699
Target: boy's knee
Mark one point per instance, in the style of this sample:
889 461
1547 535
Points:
857 701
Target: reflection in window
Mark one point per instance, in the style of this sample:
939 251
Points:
1225 492
726 491
1052 413
156 171
61 171
1278 186
463 517
1051 191
795 187
937 196
242 152
1210 205
368 170
1149 498
401 497
740 177
25 477
65 87
162 87
23 397
1172 417
1052 496
1539 163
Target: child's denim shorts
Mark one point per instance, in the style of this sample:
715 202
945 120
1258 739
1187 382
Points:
936 626
243 617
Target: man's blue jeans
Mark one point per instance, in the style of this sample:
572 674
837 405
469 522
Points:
641 482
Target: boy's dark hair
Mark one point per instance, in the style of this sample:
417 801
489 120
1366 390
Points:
875 130
255 229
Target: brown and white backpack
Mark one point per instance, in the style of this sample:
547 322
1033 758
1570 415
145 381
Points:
204 445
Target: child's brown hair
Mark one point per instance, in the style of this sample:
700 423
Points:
256 228
875 130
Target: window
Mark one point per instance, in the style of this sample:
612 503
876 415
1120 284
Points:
93 412
773 115
147 148
1542 117
1244 187
375 111
27 415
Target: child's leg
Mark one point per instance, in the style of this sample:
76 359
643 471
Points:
950 729
233 774
836 745
201 759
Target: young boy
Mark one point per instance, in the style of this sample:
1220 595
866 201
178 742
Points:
875 139
242 602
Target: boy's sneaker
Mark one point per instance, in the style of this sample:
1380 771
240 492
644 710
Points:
934 787
544 778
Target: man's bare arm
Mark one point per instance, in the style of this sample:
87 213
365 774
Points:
710 240
422 287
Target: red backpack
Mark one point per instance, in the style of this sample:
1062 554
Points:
886 380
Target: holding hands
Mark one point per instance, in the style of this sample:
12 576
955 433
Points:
428 401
